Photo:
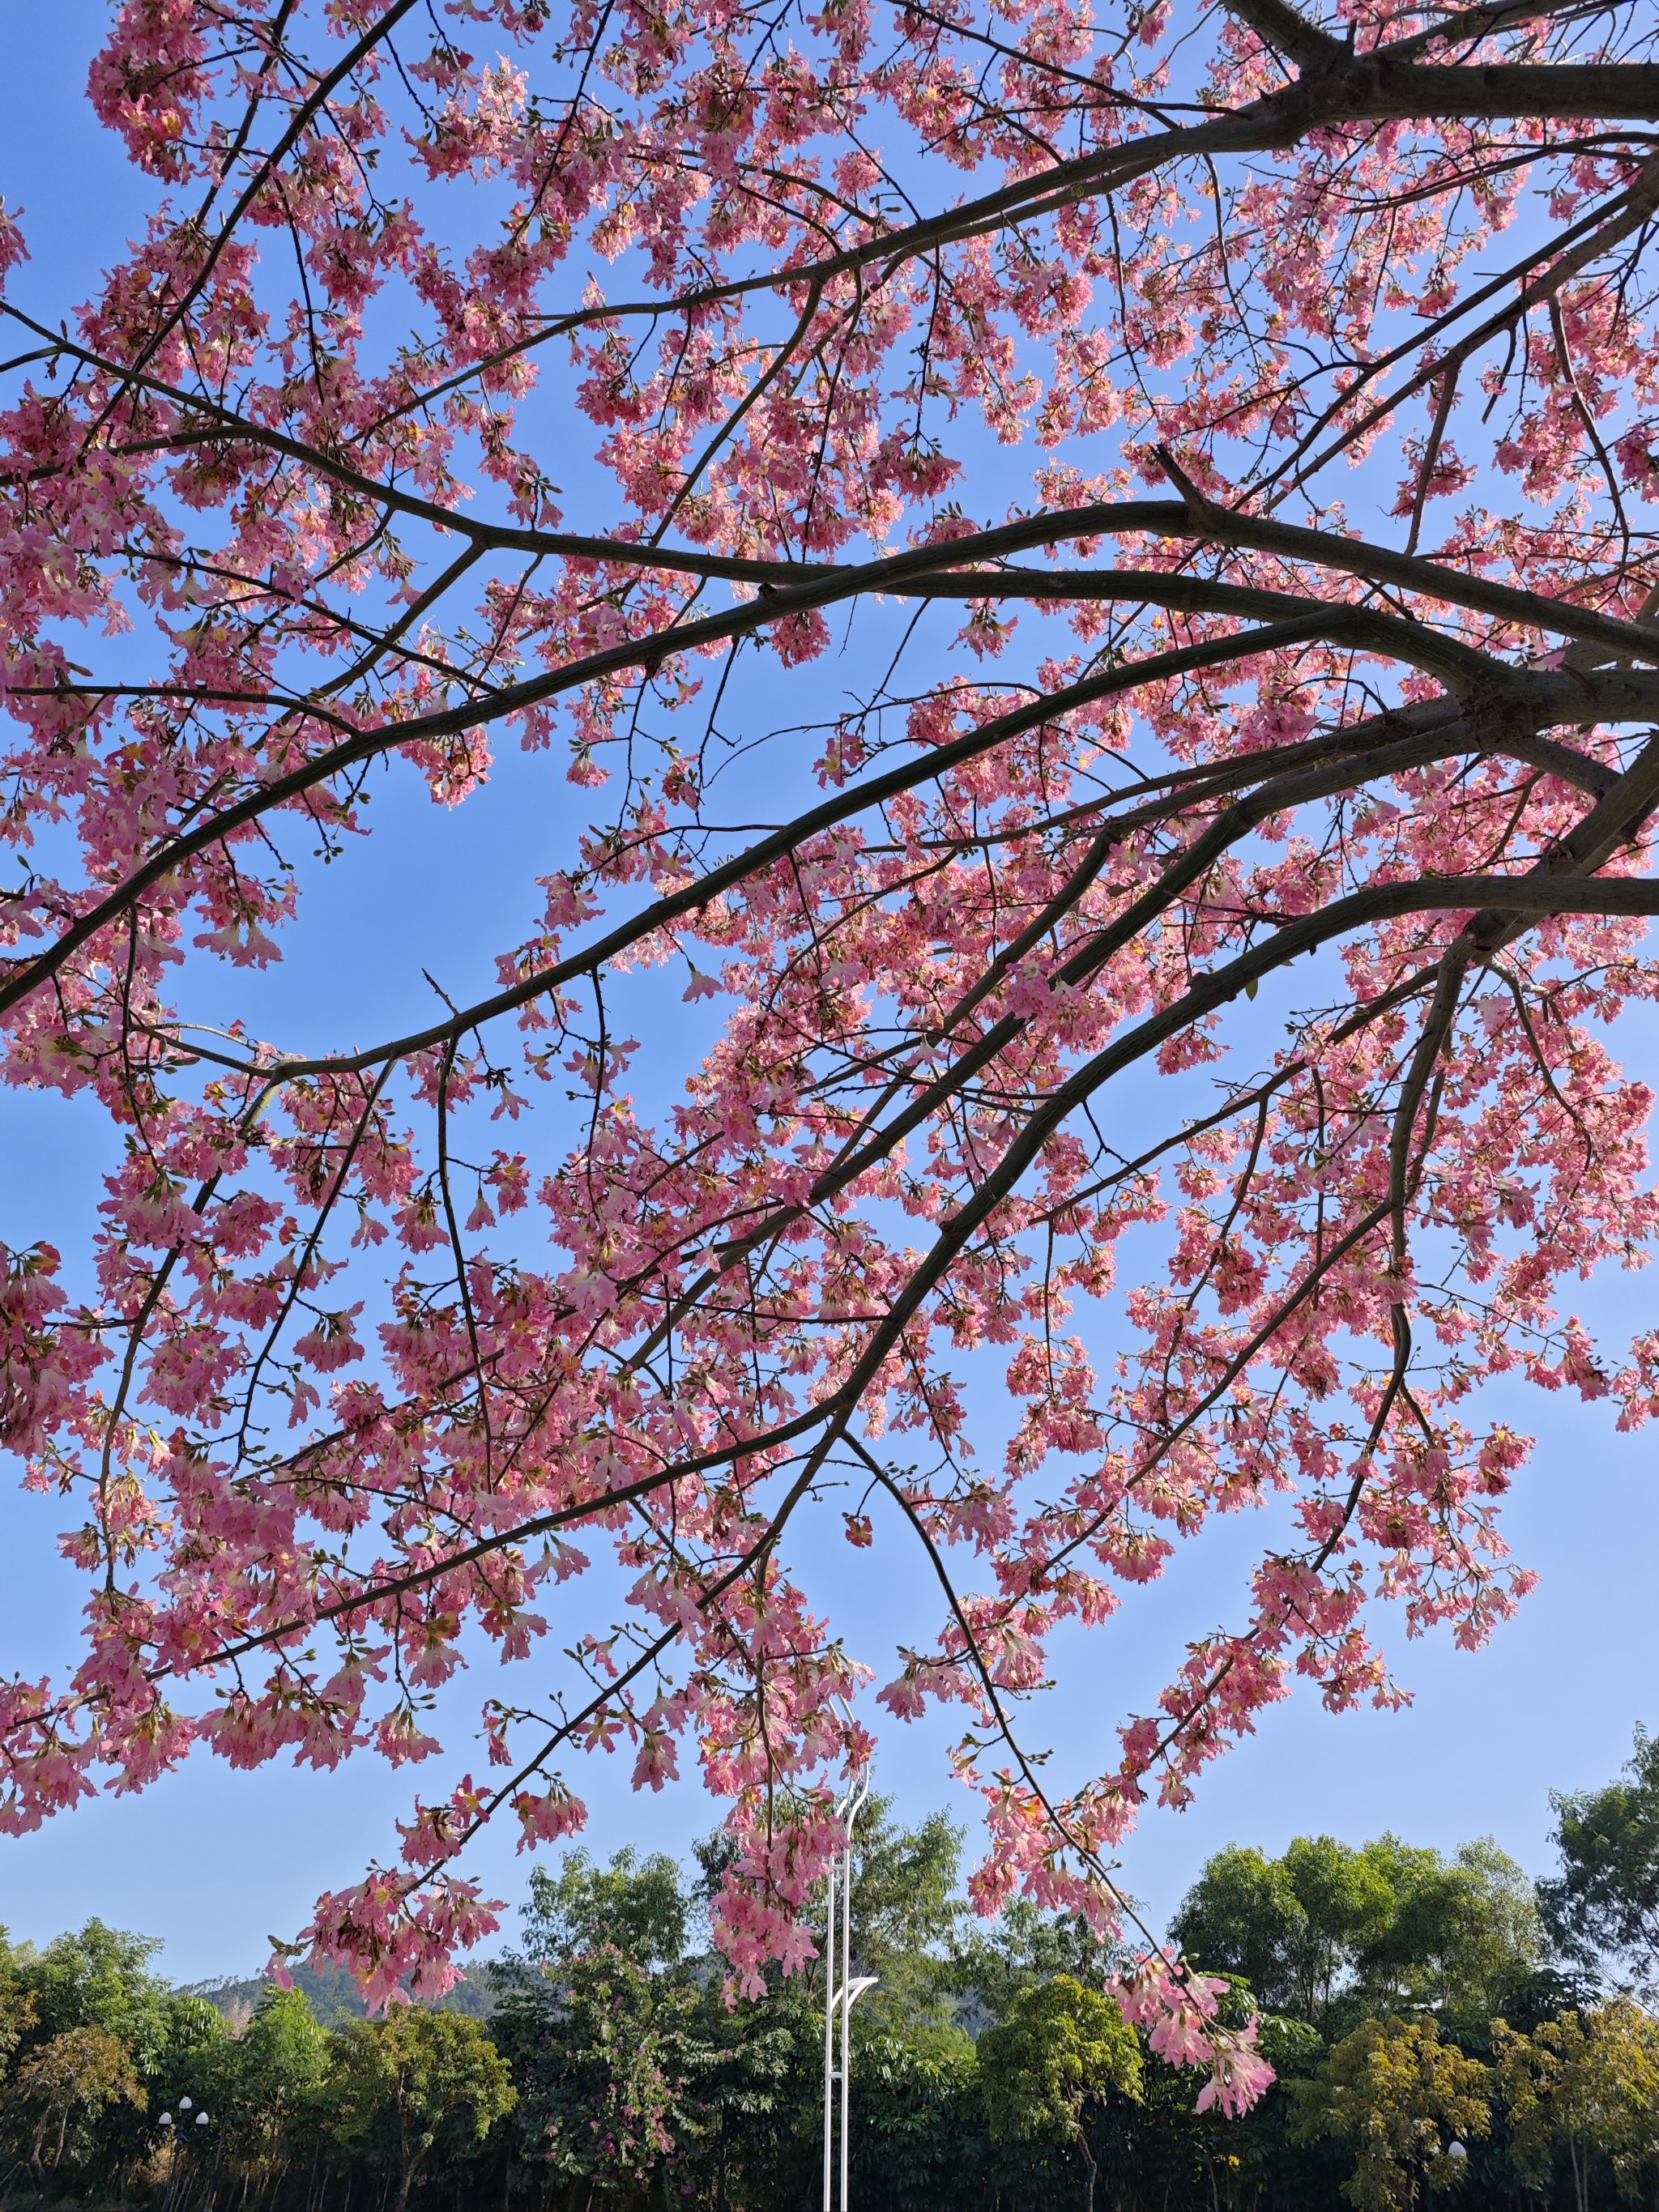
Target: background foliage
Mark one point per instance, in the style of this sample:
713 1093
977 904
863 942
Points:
1441 2031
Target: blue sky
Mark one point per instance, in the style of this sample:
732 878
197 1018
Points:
213 1862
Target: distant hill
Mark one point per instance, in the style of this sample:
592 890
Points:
333 1994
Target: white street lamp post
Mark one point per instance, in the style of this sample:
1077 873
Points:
176 2136
839 1999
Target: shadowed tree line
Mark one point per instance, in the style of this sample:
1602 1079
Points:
1442 2032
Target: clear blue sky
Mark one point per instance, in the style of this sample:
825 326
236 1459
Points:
213 1862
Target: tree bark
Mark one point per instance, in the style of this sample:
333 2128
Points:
1088 2172
1579 2195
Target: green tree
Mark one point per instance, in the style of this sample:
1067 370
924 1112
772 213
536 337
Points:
101 1977
191 2062
1328 1930
918 2137
752 2086
607 2055
637 1905
1586 2085
1398 2097
1260 2158
906 1907
1160 2152
755 2074
989 1963
1291 1927
64 2085
17 2006
269 2080
1604 1903
1462 1934
598 2014
1060 2053
416 2082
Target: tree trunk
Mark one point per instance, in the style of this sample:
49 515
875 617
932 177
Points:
406 2178
1089 2170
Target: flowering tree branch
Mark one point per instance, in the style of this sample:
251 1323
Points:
917 310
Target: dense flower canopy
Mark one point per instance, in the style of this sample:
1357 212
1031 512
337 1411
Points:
968 682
